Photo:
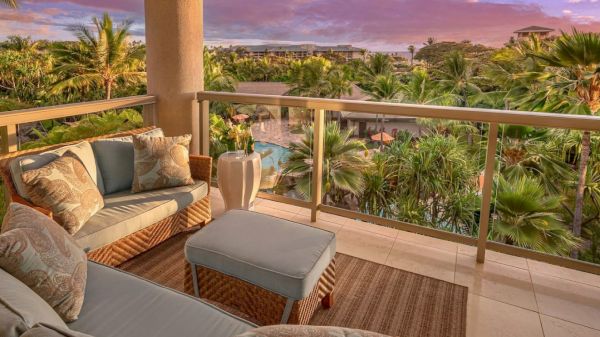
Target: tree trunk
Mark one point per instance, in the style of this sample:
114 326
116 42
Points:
108 86
579 193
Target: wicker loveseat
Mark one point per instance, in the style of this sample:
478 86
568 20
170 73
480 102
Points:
129 224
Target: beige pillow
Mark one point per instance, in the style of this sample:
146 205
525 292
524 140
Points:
38 252
65 187
307 331
161 162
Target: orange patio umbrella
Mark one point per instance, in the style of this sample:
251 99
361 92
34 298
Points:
382 137
240 117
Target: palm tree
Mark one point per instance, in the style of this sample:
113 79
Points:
529 218
102 59
385 88
411 50
430 41
215 77
343 163
456 78
571 83
377 64
10 3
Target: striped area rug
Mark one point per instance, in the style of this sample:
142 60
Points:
368 295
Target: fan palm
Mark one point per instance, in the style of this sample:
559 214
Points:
10 3
102 59
528 218
411 50
571 83
343 163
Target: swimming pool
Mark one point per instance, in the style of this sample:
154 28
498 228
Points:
278 154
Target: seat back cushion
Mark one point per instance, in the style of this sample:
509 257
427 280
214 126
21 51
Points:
21 308
26 163
115 161
65 187
41 254
41 330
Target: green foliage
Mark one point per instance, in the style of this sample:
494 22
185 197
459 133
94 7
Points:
529 218
436 53
88 126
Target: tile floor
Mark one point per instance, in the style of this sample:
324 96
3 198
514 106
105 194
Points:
508 296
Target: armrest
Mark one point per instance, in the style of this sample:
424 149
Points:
201 167
18 199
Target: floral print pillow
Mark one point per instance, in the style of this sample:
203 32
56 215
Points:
38 252
161 162
65 187
307 331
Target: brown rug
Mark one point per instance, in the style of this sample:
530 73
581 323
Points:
368 295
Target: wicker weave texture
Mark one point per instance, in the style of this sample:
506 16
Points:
263 306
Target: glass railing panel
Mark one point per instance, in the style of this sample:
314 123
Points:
542 199
279 134
419 171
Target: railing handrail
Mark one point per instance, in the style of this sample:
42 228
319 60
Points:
73 109
535 119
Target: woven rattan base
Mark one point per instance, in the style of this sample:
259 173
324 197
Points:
195 215
264 307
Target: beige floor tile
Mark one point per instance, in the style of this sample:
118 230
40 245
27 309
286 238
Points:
565 273
326 225
489 318
496 281
363 244
427 241
491 255
333 218
278 206
369 227
274 212
423 260
567 300
554 327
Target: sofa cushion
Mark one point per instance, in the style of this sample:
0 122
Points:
23 164
115 161
65 187
42 255
120 304
161 162
46 331
21 308
284 257
125 213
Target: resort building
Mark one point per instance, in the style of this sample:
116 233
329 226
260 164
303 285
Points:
541 32
348 52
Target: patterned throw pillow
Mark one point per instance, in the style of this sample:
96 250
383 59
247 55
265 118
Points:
307 331
37 251
161 162
65 187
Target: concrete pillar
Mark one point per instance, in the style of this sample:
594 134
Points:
175 42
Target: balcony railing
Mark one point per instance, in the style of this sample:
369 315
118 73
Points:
494 118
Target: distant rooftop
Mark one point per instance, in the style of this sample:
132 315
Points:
535 29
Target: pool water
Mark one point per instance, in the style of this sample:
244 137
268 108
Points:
278 154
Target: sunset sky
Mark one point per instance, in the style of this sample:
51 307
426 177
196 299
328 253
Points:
374 24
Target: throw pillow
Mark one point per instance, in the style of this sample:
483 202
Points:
65 187
161 162
38 252
307 331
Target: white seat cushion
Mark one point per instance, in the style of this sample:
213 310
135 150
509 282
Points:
284 257
125 213
118 304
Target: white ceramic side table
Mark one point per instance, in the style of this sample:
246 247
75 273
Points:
239 179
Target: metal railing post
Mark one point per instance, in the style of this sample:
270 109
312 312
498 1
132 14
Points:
9 137
204 127
317 174
486 195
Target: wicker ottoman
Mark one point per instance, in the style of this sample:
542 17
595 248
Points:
273 270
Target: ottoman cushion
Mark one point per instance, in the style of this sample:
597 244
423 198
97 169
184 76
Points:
281 256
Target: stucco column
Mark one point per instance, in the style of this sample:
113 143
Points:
175 42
